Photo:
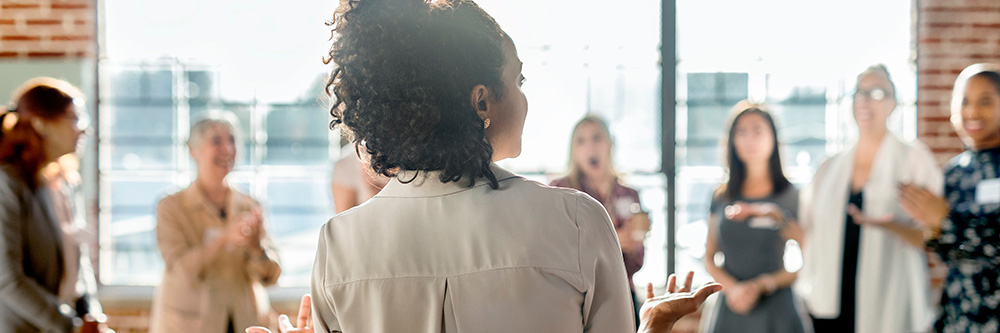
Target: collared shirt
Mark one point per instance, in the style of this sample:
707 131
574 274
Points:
622 203
427 256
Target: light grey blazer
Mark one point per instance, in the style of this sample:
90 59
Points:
31 264
445 257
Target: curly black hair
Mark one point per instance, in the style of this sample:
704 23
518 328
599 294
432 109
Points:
401 83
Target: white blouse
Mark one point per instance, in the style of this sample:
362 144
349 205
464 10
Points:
428 256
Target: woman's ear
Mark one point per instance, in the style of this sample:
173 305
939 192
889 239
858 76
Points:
38 125
479 98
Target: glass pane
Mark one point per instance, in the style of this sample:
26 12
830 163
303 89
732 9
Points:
297 135
295 210
132 251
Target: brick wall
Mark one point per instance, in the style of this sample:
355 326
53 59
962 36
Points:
56 29
951 34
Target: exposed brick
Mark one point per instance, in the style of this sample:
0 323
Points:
934 87
20 38
46 54
986 25
70 6
938 79
935 119
20 6
7 54
43 22
969 56
955 9
70 37
939 25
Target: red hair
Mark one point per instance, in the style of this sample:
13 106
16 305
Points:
20 144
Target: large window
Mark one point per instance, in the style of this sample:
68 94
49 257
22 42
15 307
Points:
163 66
589 57
801 60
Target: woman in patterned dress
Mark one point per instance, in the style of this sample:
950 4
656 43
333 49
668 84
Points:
965 224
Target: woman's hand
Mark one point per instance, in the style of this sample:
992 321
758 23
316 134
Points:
94 324
743 297
626 241
247 230
658 314
741 211
304 321
738 211
925 207
860 218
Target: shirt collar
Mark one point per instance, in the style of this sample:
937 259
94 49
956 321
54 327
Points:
428 183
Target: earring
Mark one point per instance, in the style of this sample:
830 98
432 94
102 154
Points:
486 123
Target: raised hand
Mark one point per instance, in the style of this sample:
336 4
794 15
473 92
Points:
923 206
659 313
860 218
303 321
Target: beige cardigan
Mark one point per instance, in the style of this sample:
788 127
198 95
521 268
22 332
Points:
445 257
199 296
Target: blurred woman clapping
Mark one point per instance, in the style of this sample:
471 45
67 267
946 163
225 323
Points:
217 253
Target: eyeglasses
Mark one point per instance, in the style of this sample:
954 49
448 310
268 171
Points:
81 121
874 94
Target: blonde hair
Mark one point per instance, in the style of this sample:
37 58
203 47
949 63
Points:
575 176
881 71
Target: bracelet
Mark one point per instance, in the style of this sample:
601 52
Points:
931 234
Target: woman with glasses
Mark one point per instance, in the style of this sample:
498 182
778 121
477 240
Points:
42 125
865 268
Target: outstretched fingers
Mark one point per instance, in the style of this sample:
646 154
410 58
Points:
706 290
688 279
305 312
672 284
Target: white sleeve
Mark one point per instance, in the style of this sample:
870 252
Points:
925 169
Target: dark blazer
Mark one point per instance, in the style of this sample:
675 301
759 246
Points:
31 262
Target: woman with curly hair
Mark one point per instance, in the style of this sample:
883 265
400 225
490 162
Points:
431 92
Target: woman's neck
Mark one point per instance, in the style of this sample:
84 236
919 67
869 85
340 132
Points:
872 138
758 182
991 143
603 183
215 190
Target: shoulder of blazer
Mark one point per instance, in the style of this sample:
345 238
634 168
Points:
14 184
